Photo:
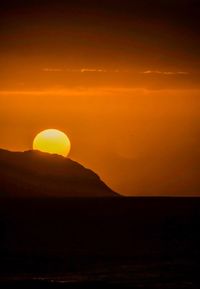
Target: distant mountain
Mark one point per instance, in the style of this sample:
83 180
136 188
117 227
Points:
37 174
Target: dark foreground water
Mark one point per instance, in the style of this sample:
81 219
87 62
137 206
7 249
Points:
100 243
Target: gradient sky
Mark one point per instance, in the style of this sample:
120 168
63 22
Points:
121 78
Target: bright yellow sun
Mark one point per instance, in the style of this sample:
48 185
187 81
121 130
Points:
52 141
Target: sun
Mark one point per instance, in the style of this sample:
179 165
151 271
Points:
52 141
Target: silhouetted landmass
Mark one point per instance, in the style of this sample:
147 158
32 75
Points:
36 174
60 243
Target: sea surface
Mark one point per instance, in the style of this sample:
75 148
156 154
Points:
100 243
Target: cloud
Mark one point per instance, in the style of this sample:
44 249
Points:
82 70
52 69
92 70
102 70
165 72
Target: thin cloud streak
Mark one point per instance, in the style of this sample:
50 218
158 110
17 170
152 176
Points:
165 72
101 70
81 70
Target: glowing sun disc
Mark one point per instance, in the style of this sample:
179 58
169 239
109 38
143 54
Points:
52 141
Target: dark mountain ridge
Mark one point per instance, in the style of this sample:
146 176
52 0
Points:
37 174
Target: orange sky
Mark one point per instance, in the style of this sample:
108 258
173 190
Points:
121 78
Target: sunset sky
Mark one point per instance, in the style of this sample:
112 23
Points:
120 78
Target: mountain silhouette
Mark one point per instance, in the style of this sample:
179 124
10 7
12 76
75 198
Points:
37 174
